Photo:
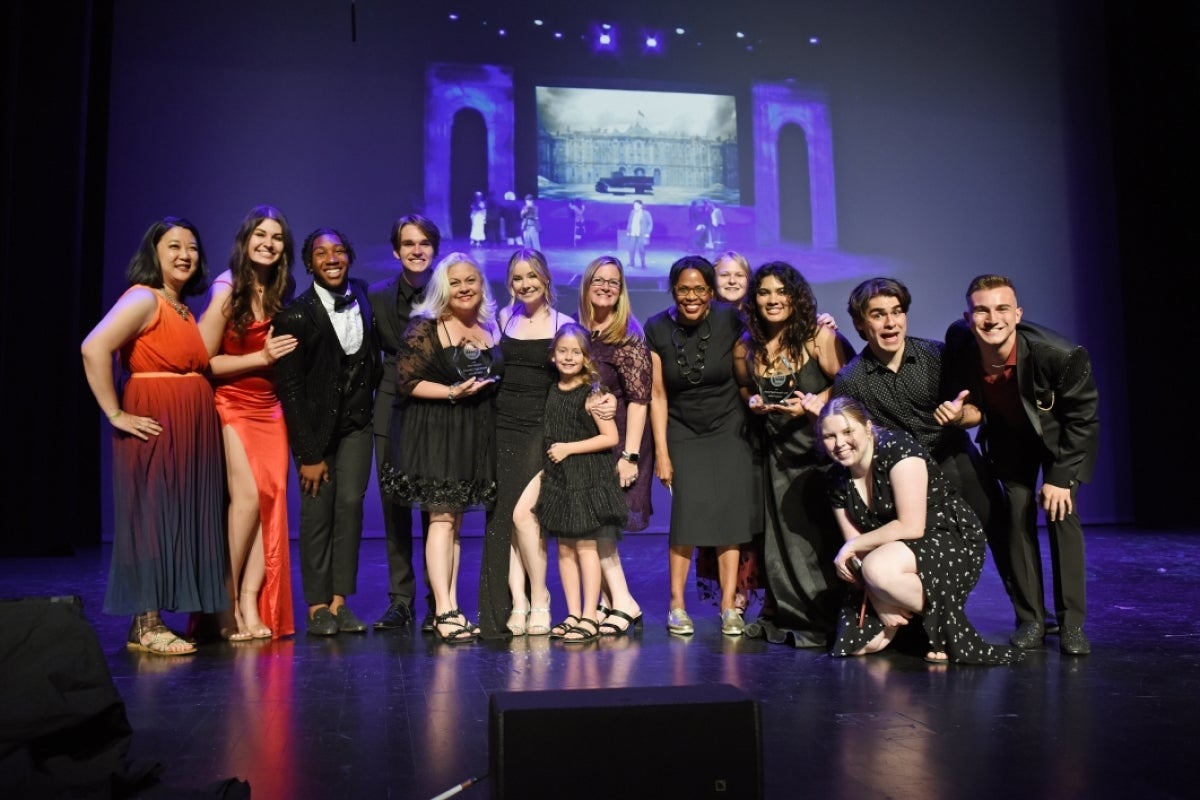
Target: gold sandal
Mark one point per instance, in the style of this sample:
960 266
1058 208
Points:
162 638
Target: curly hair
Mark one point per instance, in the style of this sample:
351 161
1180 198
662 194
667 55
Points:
799 328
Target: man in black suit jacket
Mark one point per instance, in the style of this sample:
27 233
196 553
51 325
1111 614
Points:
415 242
1034 397
327 386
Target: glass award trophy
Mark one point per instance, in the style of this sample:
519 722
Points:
774 389
472 361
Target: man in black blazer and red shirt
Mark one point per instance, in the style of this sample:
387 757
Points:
1032 393
415 243
327 387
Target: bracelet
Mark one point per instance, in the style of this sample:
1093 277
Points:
450 396
632 458
114 414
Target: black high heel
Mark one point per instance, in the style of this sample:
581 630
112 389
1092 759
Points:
455 636
611 629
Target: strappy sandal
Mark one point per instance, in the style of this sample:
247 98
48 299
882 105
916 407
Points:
584 634
560 630
162 638
461 632
613 629
539 630
518 622
259 631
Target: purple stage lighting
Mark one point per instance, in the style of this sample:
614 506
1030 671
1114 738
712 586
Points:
651 42
606 38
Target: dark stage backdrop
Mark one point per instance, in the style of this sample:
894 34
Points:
963 141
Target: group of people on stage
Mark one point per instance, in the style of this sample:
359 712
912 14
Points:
845 487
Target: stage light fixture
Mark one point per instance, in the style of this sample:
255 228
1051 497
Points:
813 40
680 31
651 43
538 22
503 32
558 34
740 35
453 17
605 39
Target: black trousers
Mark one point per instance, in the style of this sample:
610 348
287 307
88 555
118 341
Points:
331 522
1018 536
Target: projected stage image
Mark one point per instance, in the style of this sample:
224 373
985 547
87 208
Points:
607 145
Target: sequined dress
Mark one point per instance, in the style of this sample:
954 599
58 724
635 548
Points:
520 406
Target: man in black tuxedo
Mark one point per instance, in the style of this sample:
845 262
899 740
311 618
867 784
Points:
415 242
1032 393
327 386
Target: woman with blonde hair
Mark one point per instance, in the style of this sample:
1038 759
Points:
443 457
622 359
513 550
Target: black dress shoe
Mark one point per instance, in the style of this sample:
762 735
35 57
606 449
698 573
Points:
427 624
1073 642
322 623
398 615
1029 635
347 622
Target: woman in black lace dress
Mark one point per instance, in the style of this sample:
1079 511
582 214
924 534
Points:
913 546
444 457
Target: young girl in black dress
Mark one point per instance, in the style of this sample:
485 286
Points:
579 499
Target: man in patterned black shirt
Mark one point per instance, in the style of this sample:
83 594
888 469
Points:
899 379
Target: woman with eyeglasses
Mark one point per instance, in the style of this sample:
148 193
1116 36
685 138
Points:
699 421
619 351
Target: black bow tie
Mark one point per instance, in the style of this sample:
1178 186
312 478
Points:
343 301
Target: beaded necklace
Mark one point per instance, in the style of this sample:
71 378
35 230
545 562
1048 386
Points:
692 372
180 308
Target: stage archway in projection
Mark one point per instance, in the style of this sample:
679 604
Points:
775 106
794 180
450 88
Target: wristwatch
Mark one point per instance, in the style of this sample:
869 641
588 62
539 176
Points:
632 458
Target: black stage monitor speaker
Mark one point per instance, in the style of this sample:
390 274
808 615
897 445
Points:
654 741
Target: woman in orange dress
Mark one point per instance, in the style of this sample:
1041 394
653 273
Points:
237 332
168 550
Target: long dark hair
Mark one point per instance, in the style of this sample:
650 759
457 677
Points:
280 284
799 328
144 268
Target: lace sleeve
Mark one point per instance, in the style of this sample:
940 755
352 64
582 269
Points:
415 357
632 361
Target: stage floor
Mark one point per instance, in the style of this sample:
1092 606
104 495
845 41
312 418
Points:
399 715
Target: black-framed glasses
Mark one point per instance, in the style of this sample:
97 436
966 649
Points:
689 291
611 283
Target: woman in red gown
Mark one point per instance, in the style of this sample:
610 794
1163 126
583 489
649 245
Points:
237 331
